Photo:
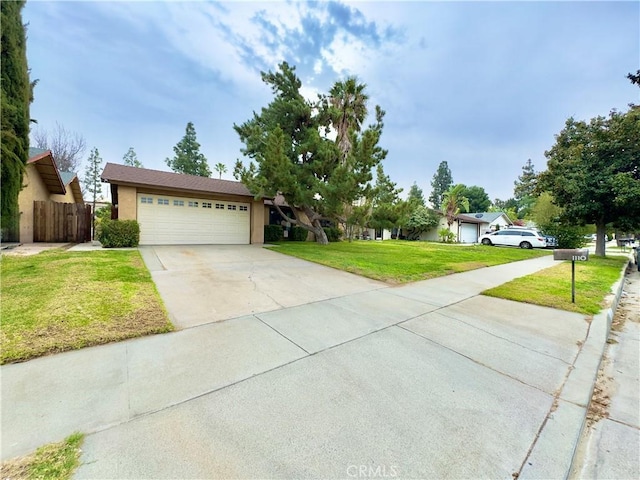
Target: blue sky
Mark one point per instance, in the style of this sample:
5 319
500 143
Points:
482 85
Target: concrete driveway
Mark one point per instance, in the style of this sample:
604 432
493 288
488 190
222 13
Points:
358 380
230 281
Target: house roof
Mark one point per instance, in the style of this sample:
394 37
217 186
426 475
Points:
71 180
47 169
480 217
124 175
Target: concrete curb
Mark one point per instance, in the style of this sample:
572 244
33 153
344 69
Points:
554 452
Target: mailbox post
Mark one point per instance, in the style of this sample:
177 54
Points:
575 255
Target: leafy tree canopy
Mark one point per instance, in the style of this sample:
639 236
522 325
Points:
419 220
292 151
593 172
442 181
478 199
188 158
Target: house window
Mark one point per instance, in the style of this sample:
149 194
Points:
220 206
146 200
231 207
163 201
244 208
193 204
206 204
178 203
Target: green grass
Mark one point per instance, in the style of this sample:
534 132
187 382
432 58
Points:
56 461
396 261
552 287
57 301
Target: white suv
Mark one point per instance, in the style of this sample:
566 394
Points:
523 238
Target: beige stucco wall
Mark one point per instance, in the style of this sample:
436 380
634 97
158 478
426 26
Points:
34 189
257 221
127 203
66 198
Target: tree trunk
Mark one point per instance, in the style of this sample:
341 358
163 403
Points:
318 231
601 238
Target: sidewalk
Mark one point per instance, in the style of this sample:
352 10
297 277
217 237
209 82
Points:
610 445
427 377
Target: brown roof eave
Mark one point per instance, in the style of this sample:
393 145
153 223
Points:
173 189
48 171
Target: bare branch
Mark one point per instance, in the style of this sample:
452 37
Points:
67 147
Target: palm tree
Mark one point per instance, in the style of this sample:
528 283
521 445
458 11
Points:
349 104
452 202
220 168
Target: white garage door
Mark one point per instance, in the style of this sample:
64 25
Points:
468 233
166 220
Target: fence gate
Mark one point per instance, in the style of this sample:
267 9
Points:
56 222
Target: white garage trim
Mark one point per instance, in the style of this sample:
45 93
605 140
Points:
169 220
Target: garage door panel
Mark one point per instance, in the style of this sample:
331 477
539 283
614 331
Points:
178 223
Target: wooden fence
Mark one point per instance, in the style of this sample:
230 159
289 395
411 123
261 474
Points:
61 222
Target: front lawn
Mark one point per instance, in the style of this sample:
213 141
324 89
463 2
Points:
397 261
57 301
55 461
552 287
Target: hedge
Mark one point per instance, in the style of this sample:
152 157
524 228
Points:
333 233
119 233
273 233
298 234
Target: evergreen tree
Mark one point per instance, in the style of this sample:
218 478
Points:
525 188
293 154
92 182
386 205
415 196
16 98
441 182
131 159
188 158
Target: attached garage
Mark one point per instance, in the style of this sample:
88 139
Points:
468 233
177 209
170 220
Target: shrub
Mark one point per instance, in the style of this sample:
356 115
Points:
446 235
119 233
333 233
298 234
568 236
273 233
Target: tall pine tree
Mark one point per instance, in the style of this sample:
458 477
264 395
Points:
16 97
188 158
524 189
92 182
441 182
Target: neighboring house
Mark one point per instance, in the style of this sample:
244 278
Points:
467 227
43 181
174 208
472 225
